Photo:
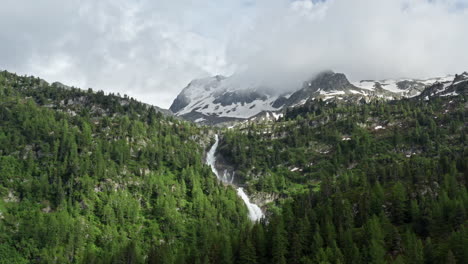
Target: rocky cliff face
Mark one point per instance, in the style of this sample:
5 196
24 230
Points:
197 89
326 85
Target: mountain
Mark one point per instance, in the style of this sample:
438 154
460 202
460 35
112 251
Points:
375 182
88 177
219 99
457 86
327 85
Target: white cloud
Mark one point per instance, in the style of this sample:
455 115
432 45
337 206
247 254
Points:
363 38
152 49
147 49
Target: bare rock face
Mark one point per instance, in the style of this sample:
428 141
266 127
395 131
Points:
263 198
195 90
179 103
326 83
243 97
329 81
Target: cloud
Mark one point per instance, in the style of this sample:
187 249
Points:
151 49
365 39
147 49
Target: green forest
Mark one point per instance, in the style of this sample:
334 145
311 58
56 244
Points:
383 182
89 177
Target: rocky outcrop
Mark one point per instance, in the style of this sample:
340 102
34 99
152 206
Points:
179 103
263 198
242 97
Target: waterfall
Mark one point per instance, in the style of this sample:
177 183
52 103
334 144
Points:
255 213
211 159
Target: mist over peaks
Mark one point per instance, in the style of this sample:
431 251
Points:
364 39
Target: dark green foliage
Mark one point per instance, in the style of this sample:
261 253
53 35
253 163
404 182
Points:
93 178
391 195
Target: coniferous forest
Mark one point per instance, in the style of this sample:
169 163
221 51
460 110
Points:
88 177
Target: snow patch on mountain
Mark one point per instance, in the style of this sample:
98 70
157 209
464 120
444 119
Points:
207 106
221 97
402 87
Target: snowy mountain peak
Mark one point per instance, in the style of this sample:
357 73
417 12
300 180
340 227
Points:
195 90
325 85
222 99
328 81
401 87
457 85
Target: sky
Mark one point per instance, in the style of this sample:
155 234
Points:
151 50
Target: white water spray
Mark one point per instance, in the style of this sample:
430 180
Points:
255 213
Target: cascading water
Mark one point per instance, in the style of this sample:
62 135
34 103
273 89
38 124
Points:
255 213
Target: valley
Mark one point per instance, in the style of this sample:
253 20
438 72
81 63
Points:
87 177
234 132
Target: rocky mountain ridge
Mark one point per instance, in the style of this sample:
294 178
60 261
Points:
218 100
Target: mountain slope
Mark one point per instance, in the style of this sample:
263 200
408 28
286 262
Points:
379 182
85 178
325 86
457 86
219 99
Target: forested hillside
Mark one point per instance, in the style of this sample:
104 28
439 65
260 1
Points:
92 178
373 183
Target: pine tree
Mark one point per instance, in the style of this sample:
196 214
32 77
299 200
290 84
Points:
246 253
279 241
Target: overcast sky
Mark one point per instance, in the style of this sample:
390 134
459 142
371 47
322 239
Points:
151 49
